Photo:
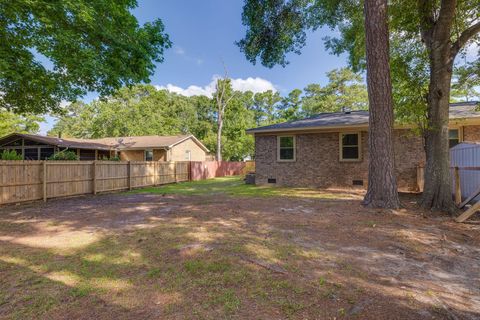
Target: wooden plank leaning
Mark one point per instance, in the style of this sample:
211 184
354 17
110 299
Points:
470 197
467 214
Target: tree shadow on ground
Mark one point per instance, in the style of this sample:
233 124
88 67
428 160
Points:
144 256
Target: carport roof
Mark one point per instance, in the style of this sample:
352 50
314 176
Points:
119 143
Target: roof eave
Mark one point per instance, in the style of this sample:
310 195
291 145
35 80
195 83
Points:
319 128
198 142
452 121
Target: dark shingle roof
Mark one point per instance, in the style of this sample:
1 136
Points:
356 118
60 142
119 143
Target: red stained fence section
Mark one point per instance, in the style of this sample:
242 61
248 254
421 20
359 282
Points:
201 170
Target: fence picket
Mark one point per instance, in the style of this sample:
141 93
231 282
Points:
22 181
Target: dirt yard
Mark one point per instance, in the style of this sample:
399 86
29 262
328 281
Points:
220 249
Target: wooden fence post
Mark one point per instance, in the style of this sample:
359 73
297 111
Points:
189 170
94 177
458 191
129 175
175 170
420 178
155 173
44 180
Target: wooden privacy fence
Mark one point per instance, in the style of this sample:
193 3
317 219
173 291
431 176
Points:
35 180
201 170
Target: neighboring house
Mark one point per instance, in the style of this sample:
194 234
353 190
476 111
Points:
331 149
145 148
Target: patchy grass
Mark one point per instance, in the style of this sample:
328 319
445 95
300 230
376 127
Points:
235 186
242 252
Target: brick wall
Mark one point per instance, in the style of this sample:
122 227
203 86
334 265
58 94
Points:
471 133
317 161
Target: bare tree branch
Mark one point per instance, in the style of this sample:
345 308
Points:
466 35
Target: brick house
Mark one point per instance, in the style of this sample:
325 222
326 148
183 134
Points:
331 149
143 148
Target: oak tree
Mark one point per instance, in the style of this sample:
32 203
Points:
52 51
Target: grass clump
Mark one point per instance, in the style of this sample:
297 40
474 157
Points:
235 186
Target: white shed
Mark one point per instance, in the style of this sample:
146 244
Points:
467 154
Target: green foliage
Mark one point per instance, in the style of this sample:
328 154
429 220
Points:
11 122
345 89
135 111
64 155
144 110
113 158
264 107
54 51
466 82
10 155
290 107
276 28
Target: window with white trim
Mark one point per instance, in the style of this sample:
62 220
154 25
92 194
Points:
454 137
286 148
350 146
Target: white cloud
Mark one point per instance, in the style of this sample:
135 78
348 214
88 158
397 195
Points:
252 84
179 50
249 84
190 91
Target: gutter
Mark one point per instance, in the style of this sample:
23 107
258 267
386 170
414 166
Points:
453 121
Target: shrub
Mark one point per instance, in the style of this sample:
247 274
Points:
64 155
10 155
114 158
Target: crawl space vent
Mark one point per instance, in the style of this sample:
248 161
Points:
272 180
357 182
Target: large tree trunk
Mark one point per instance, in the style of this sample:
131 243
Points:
382 184
438 182
219 137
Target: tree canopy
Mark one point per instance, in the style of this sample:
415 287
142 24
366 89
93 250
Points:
11 122
144 110
56 51
345 90
277 28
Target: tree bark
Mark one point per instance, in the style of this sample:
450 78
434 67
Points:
437 192
219 135
382 183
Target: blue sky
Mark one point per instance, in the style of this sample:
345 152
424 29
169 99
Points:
204 33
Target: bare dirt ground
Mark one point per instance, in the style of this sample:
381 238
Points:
155 256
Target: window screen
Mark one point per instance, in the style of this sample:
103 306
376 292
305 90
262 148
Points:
286 146
31 154
350 146
87 154
45 153
148 155
453 137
